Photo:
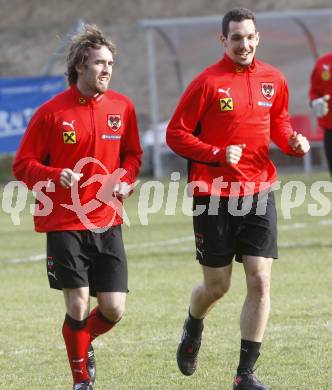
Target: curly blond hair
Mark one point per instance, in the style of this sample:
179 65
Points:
90 37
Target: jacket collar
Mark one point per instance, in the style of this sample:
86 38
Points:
236 68
83 100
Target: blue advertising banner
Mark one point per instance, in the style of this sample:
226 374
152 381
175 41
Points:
19 98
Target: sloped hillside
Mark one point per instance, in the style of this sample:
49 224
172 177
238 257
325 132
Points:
32 30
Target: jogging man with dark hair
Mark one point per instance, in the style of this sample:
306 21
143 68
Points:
81 150
223 125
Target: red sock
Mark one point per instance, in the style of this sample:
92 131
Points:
97 324
77 340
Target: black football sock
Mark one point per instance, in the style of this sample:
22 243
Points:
249 353
194 325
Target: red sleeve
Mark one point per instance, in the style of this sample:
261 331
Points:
30 161
280 127
315 81
180 134
131 151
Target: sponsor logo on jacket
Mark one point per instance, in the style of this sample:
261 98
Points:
70 124
226 91
264 104
226 104
110 137
69 137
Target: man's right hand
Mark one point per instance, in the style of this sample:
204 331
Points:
68 177
320 106
234 153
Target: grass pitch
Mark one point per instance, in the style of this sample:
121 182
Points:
139 353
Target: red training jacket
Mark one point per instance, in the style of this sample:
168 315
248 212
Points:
228 104
63 131
321 84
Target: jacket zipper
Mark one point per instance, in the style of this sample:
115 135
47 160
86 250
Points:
93 126
249 88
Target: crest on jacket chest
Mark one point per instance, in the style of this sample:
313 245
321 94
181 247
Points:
326 73
267 90
114 121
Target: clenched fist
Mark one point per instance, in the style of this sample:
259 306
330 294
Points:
122 190
234 153
299 143
68 177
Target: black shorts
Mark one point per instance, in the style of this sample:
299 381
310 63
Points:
235 227
81 258
328 147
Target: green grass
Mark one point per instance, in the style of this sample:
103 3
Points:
139 353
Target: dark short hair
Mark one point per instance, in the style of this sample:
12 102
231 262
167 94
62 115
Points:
90 37
236 15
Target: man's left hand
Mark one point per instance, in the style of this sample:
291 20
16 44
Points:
122 190
299 143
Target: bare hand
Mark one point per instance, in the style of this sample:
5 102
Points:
234 153
299 143
122 190
68 177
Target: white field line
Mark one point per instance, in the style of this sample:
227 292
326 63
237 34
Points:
293 226
141 245
26 259
180 240
149 244
100 344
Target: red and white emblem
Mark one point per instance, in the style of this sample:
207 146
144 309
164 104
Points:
114 121
268 90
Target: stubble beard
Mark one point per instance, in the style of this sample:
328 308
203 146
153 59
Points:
102 87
